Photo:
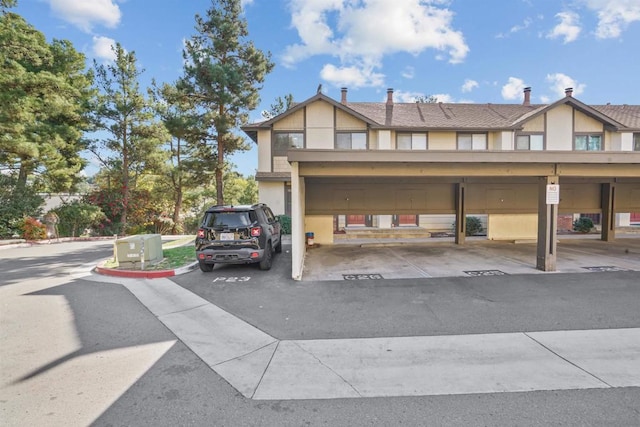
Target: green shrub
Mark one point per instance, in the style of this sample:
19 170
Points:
76 216
473 226
583 224
285 222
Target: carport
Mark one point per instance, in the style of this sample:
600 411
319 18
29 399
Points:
513 184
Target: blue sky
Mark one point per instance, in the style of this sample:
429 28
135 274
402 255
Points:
458 50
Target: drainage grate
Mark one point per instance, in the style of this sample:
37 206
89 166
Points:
486 273
606 268
374 276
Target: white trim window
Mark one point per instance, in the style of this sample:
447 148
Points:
588 142
636 142
285 141
351 140
472 141
533 142
411 141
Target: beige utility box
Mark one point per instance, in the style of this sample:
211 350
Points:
134 249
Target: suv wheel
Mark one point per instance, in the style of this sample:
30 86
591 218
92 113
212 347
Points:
265 264
279 245
205 267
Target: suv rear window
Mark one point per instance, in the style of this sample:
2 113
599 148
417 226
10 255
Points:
228 219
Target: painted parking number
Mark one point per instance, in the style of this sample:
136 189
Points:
232 279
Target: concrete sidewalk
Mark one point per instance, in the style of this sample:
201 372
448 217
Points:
263 367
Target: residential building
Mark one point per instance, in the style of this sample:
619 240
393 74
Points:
333 165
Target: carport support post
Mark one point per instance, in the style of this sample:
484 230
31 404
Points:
608 233
547 226
461 214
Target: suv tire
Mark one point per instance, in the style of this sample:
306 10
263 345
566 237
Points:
265 264
279 245
205 267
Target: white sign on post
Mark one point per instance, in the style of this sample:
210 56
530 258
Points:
553 194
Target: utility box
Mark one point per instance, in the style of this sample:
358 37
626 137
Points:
134 249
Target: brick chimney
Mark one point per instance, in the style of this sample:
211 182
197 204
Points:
344 95
568 91
527 96
390 96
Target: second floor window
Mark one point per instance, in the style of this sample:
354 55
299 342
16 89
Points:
284 141
636 142
412 141
351 141
589 142
472 141
529 142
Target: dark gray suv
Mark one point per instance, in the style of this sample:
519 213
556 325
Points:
238 235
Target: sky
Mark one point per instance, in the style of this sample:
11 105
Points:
474 51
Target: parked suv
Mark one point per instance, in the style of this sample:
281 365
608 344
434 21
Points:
238 235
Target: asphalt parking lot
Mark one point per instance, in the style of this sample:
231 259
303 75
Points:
410 304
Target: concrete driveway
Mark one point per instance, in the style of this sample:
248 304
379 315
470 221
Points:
433 257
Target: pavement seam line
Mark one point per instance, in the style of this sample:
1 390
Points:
329 368
184 310
420 271
255 390
567 360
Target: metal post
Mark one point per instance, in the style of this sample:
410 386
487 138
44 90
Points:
547 226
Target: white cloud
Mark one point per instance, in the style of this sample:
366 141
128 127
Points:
85 14
568 28
559 82
513 89
102 48
469 85
443 97
409 72
614 16
361 33
352 76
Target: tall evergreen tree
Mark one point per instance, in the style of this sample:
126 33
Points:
44 93
132 145
224 72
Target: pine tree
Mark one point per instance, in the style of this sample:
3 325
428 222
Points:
133 138
223 74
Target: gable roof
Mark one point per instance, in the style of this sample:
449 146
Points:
460 117
578 105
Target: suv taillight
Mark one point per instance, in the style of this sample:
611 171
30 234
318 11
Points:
201 233
256 231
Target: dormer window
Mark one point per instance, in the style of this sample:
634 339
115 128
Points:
472 141
411 141
285 141
351 140
588 142
533 142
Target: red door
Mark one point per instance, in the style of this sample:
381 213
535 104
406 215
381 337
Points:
405 220
635 216
358 220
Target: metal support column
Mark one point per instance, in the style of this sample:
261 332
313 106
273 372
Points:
547 226
461 216
608 233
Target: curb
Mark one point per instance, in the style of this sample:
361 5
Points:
134 274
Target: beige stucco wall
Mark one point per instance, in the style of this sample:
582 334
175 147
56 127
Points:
322 228
442 141
584 123
534 125
512 227
560 128
346 121
293 121
264 151
272 193
503 141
